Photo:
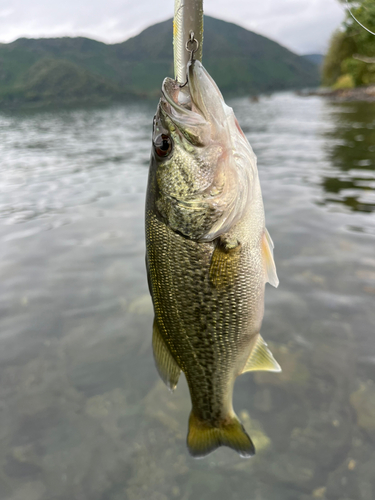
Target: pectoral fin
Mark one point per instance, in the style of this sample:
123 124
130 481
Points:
261 358
269 263
224 262
167 367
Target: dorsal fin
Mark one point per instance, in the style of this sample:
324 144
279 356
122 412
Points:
167 367
261 358
269 263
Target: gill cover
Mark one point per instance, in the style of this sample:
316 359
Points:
206 184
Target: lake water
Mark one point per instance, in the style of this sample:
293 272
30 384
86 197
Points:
83 414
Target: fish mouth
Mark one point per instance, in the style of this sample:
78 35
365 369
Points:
178 105
178 111
197 104
176 96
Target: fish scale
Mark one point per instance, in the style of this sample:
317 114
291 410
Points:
179 269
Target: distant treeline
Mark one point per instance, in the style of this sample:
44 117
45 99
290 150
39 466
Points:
70 70
350 61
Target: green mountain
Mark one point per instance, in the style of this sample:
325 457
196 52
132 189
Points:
315 58
61 70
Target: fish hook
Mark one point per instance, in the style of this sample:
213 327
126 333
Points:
191 46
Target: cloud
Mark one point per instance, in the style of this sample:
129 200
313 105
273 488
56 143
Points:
301 25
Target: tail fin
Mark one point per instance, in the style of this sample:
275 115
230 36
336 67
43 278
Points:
203 438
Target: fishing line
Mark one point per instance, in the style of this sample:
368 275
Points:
355 19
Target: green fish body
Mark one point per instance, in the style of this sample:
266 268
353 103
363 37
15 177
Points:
208 257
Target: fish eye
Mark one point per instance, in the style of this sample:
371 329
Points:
163 145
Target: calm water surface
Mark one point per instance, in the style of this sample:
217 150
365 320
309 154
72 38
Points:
83 414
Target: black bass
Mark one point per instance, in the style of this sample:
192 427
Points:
208 256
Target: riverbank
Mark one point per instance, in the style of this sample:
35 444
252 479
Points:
356 94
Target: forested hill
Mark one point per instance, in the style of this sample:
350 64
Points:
315 58
350 61
61 70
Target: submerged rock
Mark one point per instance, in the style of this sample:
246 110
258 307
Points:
263 400
294 368
32 490
354 478
363 401
293 470
170 409
261 441
157 471
319 492
322 428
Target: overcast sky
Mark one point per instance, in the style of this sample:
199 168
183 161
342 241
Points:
303 26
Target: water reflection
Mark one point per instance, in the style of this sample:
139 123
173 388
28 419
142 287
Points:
83 413
351 150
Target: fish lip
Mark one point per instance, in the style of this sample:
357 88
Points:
177 106
169 86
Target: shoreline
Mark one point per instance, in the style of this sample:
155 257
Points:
366 94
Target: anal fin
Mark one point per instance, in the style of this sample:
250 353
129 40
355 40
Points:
261 358
167 367
269 263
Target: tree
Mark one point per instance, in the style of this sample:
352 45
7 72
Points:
350 60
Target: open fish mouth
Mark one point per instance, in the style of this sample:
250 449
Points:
178 106
177 109
197 104
177 96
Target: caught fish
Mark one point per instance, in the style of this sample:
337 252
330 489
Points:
208 256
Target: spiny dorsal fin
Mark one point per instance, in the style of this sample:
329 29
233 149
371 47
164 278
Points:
167 367
269 263
224 262
261 359
203 438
